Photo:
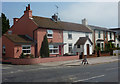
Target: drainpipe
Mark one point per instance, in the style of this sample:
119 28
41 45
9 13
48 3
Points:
35 43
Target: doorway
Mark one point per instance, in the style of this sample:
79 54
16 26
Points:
88 49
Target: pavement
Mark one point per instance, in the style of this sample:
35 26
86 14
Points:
91 61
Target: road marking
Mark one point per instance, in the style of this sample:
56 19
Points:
89 78
112 68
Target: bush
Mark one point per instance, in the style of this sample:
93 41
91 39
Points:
26 56
22 55
114 54
44 51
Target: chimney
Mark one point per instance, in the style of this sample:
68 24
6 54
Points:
55 17
15 20
28 12
84 22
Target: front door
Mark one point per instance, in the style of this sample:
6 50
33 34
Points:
88 49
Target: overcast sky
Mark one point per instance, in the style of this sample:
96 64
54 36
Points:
104 14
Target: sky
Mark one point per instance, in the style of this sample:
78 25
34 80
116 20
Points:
104 14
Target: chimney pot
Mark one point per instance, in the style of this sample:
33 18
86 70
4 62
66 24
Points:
55 17
28 6
15 20
84 22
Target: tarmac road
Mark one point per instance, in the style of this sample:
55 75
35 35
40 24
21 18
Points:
106 72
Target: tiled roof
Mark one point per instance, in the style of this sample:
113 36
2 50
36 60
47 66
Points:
82 40
99 28
49 23
19 39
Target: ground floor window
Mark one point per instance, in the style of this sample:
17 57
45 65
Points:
70 47
98 44
26 49
3 49
54 49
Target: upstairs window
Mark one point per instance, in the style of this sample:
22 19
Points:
87 35
99 34
26 49
78 46
110 35
69 35
49 34
105 35
3 49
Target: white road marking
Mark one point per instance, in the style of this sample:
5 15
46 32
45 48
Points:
112 68
89 78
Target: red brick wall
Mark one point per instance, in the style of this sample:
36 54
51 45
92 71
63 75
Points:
24 26
41 60
57 37
18 51
9 47
12 50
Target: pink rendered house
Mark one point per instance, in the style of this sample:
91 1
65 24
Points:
27 33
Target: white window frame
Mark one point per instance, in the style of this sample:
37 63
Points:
70 47
3 49
26 49
52 48
69 33
78 46
50 32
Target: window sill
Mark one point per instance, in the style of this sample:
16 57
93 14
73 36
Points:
49 37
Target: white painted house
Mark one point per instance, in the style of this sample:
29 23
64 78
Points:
73 40
100 35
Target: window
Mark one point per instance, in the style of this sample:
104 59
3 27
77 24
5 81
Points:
78 46
110 35
49 34
3 50
26 49
70 47
69 35
10 32
87 35
105 35
54 49
98 34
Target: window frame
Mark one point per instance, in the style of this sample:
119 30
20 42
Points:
99 34
69 34
78 46
26 49
3 49
49 32
70 47
110 35
52 48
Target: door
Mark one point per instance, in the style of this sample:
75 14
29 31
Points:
88 50
60 49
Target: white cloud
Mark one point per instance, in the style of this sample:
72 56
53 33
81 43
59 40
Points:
104 14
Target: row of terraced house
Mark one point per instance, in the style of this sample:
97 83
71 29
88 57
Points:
27 33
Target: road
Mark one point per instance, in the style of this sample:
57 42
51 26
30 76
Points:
107 72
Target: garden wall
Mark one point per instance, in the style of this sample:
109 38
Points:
27 61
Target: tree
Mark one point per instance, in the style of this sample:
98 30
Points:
5 23
44 51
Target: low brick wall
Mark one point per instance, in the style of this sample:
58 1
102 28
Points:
29 61
105 54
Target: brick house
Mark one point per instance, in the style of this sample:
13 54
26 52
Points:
100 35
27 33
